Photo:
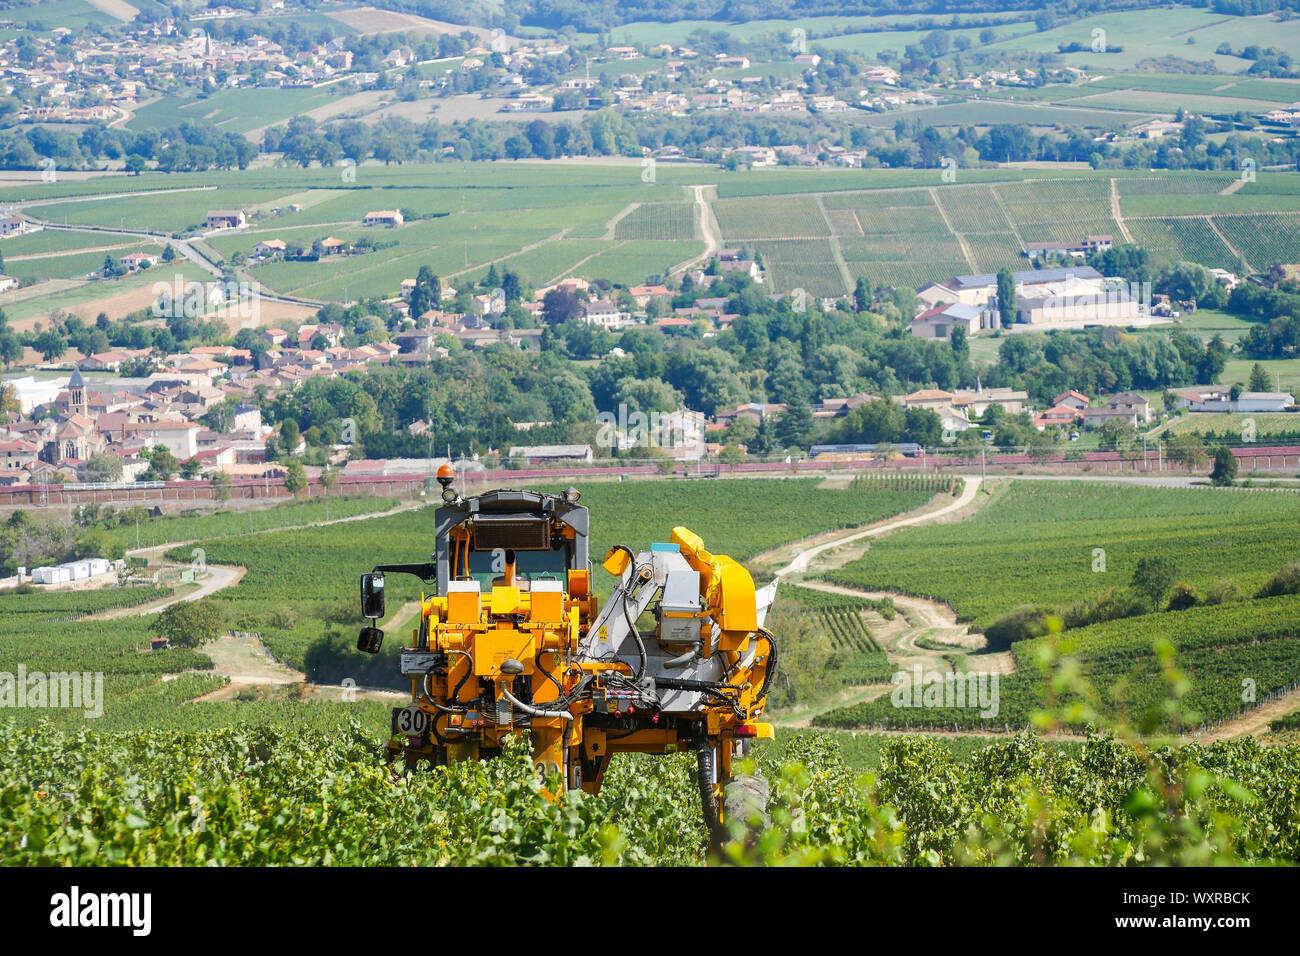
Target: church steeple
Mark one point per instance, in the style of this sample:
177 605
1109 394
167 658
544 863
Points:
77 404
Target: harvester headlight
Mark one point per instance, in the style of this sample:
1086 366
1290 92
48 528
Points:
571 495
449 495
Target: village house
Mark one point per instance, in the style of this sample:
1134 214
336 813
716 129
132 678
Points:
135 261
225 219
269 248
644 293
606 313
939 321
384 217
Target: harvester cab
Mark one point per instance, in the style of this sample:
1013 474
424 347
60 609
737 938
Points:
514 640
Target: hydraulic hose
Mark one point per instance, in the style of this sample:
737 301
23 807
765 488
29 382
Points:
708 799
534 711
683 659
769 672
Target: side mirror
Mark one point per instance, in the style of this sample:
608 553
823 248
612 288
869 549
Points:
370 640
372 595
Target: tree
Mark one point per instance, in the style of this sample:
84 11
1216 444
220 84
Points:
960 344
1259 379
190 468
1224 471
731 455
50 344
1006 298
9 400
1112 433
794 426
1187 450
295 477
561 305
11 348
104 467
763 442
221 416
1153 576
220 482
862 295
290 435
96 542
162 463
188 623
329 478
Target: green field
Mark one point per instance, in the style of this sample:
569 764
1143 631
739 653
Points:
73 14
816 229
1055 545
1235 426
236 110
293 781
658 221
1034 544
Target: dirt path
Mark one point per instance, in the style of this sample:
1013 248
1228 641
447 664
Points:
1115 212
837 254
1253 722
220 576
802 562
244 659
612 226
932 621
917 618
708 229
1231 248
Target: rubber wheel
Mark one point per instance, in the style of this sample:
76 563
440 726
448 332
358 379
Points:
744 798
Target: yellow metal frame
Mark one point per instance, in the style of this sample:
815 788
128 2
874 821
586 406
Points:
542 631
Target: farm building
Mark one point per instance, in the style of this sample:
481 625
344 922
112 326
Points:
71 571
982 289
225 219
938 321
540 453
384 217
134 261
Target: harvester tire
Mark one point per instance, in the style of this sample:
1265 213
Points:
744 799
